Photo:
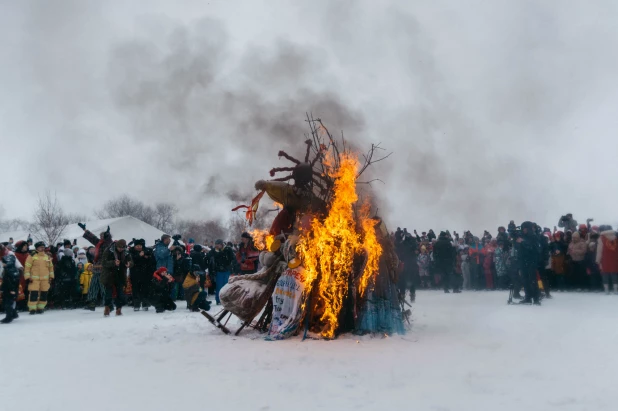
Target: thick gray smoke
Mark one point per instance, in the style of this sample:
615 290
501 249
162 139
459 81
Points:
493 111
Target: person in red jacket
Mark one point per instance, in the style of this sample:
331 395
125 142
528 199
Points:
607 257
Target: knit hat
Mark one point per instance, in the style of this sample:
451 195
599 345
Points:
198 248
67 242
140 241
39 244
68 253
121 244
246 235
219 242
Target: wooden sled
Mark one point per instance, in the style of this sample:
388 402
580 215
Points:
264 305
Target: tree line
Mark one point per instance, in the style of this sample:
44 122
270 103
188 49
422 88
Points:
49 219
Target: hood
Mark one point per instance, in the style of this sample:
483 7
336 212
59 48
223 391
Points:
88 267
576 238
609 234
19 245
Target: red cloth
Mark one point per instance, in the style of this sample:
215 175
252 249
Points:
609 259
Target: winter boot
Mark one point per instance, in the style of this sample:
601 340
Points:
32 312
606 286
106 311
145 308
526 300
39 311
457 291
536 301
135 308
447 292
118 311
8 319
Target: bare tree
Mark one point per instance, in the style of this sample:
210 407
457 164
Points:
161 215
164 214
201 231
13 224
49 219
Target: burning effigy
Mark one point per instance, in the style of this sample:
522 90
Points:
327 266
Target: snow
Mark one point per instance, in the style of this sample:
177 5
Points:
465 352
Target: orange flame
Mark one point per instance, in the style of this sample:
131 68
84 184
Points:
328 247
261 239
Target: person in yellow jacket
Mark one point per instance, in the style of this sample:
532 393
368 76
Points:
84 280
40 271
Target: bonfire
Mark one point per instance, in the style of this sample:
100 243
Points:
327 263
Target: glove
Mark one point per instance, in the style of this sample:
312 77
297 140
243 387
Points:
107 230
82 226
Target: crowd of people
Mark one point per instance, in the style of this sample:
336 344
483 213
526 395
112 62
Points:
577 257
113 273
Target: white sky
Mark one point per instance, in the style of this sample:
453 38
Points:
494 110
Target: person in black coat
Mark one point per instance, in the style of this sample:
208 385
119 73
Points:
199 258
445 255
141 274
10 283
407 251
66 279
529 256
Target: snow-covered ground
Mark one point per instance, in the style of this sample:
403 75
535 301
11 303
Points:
465 352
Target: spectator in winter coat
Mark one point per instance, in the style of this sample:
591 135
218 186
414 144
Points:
423 262
82 257
198 258
444 257
247 255
607 258
528 252
503 236
500 260
196 298
568 223
22 253
182 266
161 284
84 280
66 279
476 269
558 259
116 261
488 264
141 274
221 261
9 274
101 243
163 254
577 251
465 267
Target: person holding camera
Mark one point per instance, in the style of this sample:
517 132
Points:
568 223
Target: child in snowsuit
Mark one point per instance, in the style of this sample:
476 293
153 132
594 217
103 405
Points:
195 296
161 285
84 281
423 262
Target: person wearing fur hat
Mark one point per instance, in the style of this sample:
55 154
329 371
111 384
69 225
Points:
101 243
116 261
161 286
607 258
66 280
141 274
247 255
